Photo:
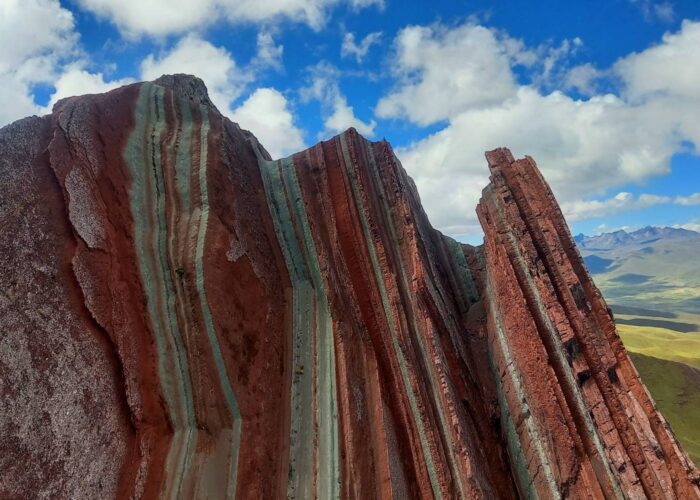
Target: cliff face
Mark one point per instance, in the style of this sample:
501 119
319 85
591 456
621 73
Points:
583 419
183 317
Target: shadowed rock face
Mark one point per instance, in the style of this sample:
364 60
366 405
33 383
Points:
183 317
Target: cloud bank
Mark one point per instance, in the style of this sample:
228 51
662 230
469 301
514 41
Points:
583 146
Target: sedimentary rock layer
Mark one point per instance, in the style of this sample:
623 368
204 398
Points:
580 422
184 317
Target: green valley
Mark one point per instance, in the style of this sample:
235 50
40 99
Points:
651 280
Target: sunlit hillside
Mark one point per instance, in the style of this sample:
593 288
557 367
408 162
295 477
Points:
651 279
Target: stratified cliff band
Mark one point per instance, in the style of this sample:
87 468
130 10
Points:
183 317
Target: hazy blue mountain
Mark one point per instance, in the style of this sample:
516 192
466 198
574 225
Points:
644 236
653 267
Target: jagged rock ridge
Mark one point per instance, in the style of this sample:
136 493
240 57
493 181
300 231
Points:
184 317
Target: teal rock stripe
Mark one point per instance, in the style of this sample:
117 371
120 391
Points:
427 359
513 373
314 455
512 437
398 349
515 450
180 464
464 275
183 160
328 452
559 354
224 381
153 248
142 155
301 452
519 463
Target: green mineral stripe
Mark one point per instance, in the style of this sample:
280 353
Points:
180 147
302 425
514 443
419 334
515 449
466 280
177 454
555 341
283 219
142 155
398 349
328 456
224 381
516 380
183 161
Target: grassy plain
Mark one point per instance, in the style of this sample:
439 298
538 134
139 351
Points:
669 363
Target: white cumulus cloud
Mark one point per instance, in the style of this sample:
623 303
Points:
655 10
668 69
77 81
464 76
36 37
152 17
343 117
443 71
158 18
621 202
266 113
359 50
338 115
193 55
693 225
359 4
52 56
693 199
269 53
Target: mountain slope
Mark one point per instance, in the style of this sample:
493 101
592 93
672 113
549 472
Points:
658 268
676 389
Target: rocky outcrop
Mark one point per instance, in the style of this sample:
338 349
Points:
579 420
184 317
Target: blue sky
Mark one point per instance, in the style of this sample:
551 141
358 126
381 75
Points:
605 95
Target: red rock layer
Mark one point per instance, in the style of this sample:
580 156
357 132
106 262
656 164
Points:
582 423
187 318
115 275
410 402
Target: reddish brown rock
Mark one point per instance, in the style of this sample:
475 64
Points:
581 419
184 317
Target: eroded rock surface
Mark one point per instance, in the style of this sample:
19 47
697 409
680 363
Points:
183 317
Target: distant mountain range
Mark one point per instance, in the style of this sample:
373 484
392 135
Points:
654 267
651 280
644 236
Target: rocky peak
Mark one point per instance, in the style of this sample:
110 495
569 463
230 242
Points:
184 317
187 86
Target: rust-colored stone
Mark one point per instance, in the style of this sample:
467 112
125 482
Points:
185 317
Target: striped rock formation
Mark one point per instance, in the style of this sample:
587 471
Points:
183 317
582 422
